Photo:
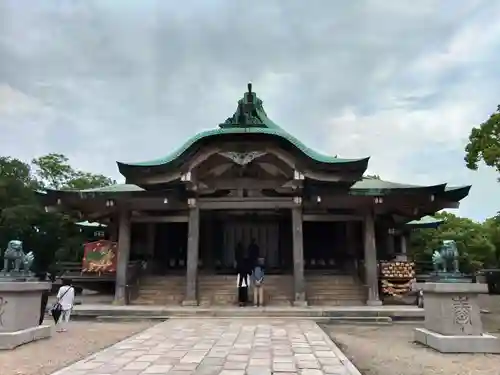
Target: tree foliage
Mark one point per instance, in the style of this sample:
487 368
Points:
484 143
54 171
478 243
48 234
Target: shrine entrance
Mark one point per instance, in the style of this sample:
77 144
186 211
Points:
229 236
331 246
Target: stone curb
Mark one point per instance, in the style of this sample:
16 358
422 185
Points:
346 362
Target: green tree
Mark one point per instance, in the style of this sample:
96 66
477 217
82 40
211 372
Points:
473 240
55 172
51 235
16 183
484 143
492 227
84 180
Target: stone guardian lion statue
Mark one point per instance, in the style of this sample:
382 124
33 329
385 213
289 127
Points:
14 255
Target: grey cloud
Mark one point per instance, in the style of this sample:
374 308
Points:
132 79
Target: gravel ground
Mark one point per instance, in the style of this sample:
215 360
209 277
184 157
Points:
389 350
82 339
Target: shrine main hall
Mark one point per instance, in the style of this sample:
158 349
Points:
321 225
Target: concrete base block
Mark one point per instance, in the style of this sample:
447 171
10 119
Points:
484 343
373 302
299 303
191 303
11 340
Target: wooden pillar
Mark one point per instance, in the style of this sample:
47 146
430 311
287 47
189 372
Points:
190 299
351 246
208 248
151 233
390 243
404 255
371 269
298 258
113 229
123 256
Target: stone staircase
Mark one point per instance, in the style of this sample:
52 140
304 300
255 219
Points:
220 290
213 290
278 290
161 290
217 290
334 290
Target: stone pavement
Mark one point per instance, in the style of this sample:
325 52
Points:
221 346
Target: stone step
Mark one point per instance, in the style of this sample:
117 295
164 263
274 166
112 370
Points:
337 303
163 284
161 290
313 299
325 283
356 292
221 290
334 290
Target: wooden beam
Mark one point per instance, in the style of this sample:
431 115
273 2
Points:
161 219
157 204
245 183
329 217
157 179
338 201
228 203
447 204
202 156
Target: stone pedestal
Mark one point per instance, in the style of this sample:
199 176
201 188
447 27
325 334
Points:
20 313
453 319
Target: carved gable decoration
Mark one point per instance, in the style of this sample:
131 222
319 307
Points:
242 158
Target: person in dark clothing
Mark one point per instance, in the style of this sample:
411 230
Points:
239 251
253 253
243 281
44 299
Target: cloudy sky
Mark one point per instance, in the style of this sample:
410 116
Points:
401 81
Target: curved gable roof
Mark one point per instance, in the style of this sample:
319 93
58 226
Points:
249 118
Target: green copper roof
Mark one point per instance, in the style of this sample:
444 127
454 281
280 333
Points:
366 186
375 186
425 222
249 118
369 183
117 188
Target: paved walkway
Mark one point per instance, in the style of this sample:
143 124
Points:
221 346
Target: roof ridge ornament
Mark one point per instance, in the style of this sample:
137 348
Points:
247 113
